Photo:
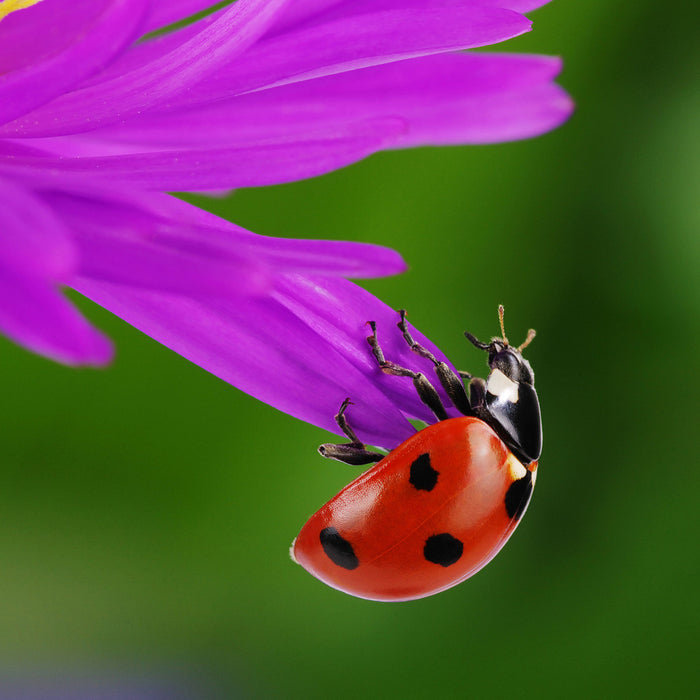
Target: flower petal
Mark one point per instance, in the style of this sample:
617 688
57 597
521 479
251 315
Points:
320 257
221 168
338 310
115 254
326 258
520 5
452 98
36 315
163 14
301 349
32 238
164 244
319 10
214 45
36 254
497 119
50 47
299 10
355 42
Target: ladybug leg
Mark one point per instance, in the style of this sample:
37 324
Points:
426 391
353 453
477 393
477 399
450 381
343 424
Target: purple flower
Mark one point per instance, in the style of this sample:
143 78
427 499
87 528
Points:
260 92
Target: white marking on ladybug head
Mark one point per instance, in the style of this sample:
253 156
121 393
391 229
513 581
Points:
500 386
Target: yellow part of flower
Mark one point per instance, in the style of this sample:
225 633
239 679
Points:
9 6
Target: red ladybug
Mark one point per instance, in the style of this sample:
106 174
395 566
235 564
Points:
441 505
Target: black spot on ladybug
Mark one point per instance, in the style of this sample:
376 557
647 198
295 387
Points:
443 549
338 549
423 476
518 496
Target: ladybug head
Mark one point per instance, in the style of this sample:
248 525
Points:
509 402
505 357
510 361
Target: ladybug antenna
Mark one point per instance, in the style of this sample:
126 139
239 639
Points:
501 312
530 335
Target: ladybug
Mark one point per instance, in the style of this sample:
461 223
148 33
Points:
440 506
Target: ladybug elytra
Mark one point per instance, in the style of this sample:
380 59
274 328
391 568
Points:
442 504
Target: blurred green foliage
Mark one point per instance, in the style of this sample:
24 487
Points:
148 508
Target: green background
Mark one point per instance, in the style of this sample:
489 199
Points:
147 508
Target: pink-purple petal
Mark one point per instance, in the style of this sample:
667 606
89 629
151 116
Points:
327 258
36 315
266 349
162 243
323 258
300 11
151 50
147 265
357 42
338 310
495 119
520 5
223 168
452 98
32 238
215 45
360 5
200 230
51 47
162 14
